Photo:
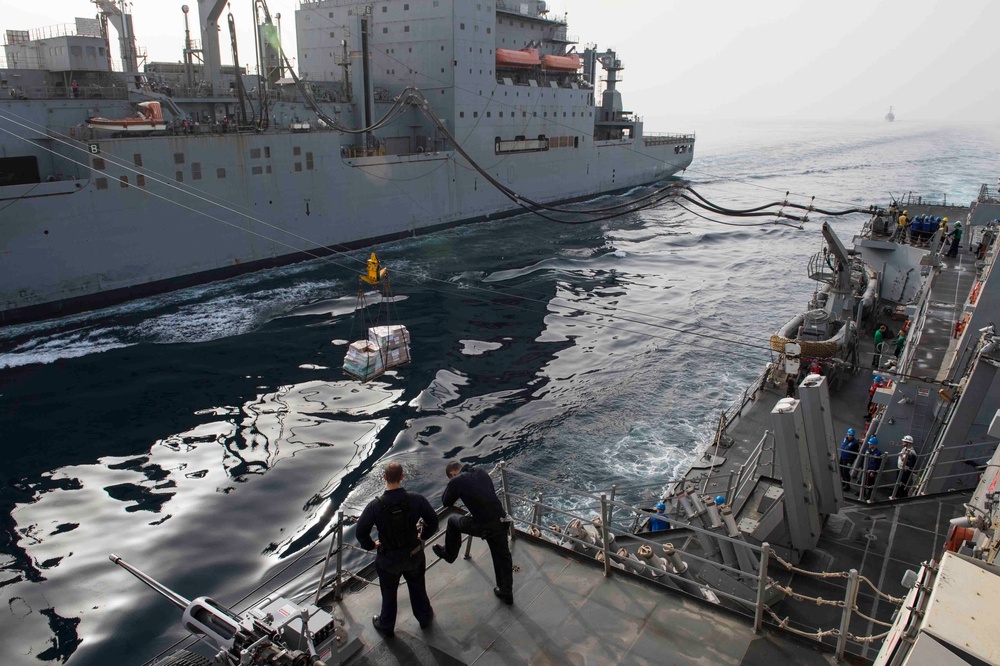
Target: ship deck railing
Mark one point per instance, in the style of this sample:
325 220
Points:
986 195
656 138
534 518
62 92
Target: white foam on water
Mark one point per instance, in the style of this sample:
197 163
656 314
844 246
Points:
48 349
478 347
226 315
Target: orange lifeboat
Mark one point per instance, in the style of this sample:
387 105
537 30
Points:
524 58
568 63
148 118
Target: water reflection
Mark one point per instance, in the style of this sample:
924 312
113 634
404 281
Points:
255 478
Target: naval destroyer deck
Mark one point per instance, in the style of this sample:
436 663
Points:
707 590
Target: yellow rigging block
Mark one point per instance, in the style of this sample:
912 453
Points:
375 272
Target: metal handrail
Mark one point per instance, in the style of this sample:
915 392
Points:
634 563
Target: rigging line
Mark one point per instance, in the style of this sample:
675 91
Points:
737 179
510 194
20 196
364 167
331 261
111 158
426 102
534 206
712 208
700 335
787 203
450 85
556 122
195 194
203 213
733 224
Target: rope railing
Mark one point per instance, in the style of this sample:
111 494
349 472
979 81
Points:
651 565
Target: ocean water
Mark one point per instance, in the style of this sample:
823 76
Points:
209 435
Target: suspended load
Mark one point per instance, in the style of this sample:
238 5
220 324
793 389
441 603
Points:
393 342
525 58
568 63
387 345
363 360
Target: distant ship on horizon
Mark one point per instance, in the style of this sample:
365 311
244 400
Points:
890 116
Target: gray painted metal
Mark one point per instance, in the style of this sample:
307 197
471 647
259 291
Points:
821 443
151 209
800 502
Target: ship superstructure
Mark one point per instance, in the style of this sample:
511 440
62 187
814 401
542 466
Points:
251 172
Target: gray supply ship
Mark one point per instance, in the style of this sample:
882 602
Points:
784 543
404 117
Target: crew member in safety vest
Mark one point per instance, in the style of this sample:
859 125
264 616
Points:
956 240
906 461
848 454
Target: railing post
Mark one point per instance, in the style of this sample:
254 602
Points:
340 556
536 513
845 619
758 614
339 529
506 497
614 489
604 534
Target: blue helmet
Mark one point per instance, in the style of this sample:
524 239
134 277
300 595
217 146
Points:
878 378
661 506
938 220
850 431
720 500
873 441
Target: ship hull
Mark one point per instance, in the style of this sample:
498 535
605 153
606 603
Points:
233 204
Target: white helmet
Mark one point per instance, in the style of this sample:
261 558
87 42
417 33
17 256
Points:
908 439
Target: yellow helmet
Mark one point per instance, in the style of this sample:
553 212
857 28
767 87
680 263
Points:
945 219
905 213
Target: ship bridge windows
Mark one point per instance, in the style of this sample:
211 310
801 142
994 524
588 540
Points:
123 181
140 180
178 158
137 158
97 163
196 171
220 173
101 183
179 176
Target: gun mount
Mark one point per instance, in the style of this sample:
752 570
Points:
273 632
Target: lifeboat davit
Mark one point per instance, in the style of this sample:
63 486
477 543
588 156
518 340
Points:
148 118
567 63
524 58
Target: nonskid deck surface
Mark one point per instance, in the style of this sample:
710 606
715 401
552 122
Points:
882 540
565 612
850 399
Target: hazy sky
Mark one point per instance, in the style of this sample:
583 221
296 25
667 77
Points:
850 59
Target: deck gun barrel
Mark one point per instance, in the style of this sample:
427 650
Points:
173 597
